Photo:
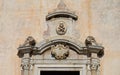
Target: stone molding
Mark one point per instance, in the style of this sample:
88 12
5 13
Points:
79 49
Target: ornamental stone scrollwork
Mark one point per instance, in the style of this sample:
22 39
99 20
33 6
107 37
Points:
94 66
25 66
90 40
60 51
27 47
61 28
93 47
59 42
30 41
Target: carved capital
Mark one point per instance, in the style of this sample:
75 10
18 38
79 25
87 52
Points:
94 66
25 66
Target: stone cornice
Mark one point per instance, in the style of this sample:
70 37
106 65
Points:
81 50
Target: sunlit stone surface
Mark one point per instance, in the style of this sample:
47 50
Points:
21 18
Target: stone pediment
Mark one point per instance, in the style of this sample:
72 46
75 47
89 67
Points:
62 36
72 44
61 11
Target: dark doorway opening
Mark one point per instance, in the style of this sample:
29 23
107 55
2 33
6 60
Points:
59 73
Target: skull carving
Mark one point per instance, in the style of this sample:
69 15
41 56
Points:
61 29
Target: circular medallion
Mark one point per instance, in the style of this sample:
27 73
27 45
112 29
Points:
61 28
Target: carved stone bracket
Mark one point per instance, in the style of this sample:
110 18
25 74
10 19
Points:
27 47
93 47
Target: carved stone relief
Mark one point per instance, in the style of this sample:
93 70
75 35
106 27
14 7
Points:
30 41
94 66
25 67
90 40
61 28
61 33
60 51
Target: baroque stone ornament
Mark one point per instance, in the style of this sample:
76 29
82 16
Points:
25 67
30 41
60 51
61 28
90 41
94 66
93 47
60 41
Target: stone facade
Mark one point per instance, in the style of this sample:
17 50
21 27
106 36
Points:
22 18
58 45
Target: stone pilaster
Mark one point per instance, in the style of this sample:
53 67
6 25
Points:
94 65
26 64
94 69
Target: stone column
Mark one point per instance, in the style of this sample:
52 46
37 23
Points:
26 64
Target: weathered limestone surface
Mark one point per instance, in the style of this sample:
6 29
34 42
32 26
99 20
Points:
21 18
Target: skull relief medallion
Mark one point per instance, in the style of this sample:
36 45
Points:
61 28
